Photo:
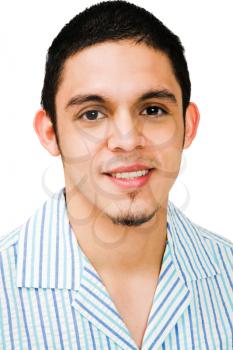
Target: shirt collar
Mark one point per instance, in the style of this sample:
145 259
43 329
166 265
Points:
190 252
49 255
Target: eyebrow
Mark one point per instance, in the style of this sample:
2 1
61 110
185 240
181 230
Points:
160 94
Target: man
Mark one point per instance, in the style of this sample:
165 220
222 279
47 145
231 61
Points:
109 262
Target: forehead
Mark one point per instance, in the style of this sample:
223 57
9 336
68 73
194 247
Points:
119 69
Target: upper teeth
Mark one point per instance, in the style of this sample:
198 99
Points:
130 174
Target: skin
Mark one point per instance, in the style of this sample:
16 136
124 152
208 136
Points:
122 232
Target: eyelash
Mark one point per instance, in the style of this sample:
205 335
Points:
151 106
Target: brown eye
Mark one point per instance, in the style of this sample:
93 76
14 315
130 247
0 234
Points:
154 110
90 115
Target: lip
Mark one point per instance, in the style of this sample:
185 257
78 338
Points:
133 167
130 182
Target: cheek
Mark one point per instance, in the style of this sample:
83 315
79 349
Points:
77 144
168 169
166 141
79 151
161 134
171 159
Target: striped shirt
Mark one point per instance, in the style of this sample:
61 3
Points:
51 296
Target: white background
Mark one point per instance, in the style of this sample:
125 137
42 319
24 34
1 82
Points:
205 27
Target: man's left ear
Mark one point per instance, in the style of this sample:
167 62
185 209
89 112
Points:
192 118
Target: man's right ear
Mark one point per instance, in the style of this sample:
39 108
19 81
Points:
45 132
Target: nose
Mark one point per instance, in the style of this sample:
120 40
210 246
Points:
126 133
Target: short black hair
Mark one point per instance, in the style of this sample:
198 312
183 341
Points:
111 21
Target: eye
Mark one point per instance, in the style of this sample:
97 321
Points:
155 110
90 115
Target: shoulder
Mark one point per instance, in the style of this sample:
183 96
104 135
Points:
207 235
210 248
219 244
9 239
8 252
221 248
213 238
8 255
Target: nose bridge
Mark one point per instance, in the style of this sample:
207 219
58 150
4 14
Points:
125 131
124 122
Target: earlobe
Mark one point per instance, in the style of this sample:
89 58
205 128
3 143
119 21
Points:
192 118
45 131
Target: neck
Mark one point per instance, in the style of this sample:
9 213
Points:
116 248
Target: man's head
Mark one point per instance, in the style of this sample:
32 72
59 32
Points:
116 92
111 21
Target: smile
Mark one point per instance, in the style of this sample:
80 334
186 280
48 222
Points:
133 179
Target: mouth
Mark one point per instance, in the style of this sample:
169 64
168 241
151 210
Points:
132 179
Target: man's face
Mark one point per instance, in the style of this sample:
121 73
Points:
121 130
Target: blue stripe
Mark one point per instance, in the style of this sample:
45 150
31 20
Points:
72 258
100 339
57 243
178 261
166 285
101 301
25 319
177 337
202 319
65 317
93 274
164 300
166 312
224 282
208 257
7 303
65 250
169 320
57 318
215 316
108 342
98 288
92 336
25 252
224 306
184 332
106 326
74 322
48 310
2 335
165 271
41 245
191 326
41 318
32 313
195 248
227 273
209 313
101 312
185 252
33 246
84 321
50 240
14 291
